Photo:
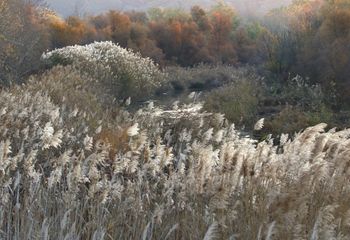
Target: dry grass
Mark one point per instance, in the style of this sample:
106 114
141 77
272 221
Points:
73 168
172 180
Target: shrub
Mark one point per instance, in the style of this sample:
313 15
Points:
67 85
296 105
238 100
292 119
204 77
298 92
123 72
289 120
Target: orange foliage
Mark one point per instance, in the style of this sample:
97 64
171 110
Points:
221 31
309 37
120 26
183 39
70 32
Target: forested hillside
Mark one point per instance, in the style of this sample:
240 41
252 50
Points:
201 123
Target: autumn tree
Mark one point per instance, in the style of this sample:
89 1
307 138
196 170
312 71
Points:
71 31
248 39
120 27
22 40
223 21
200 17
327 54
181 40
141 41
140 17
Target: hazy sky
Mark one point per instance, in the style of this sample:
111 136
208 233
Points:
68 7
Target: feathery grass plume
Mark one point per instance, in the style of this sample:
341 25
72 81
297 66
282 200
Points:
270 231
133 130
212 232
45 230
147 232
172 229
128 101
259 124
88 143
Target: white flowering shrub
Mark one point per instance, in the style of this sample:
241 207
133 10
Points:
123 72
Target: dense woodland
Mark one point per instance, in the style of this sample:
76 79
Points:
175 124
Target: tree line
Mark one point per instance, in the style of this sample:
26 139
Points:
310 38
